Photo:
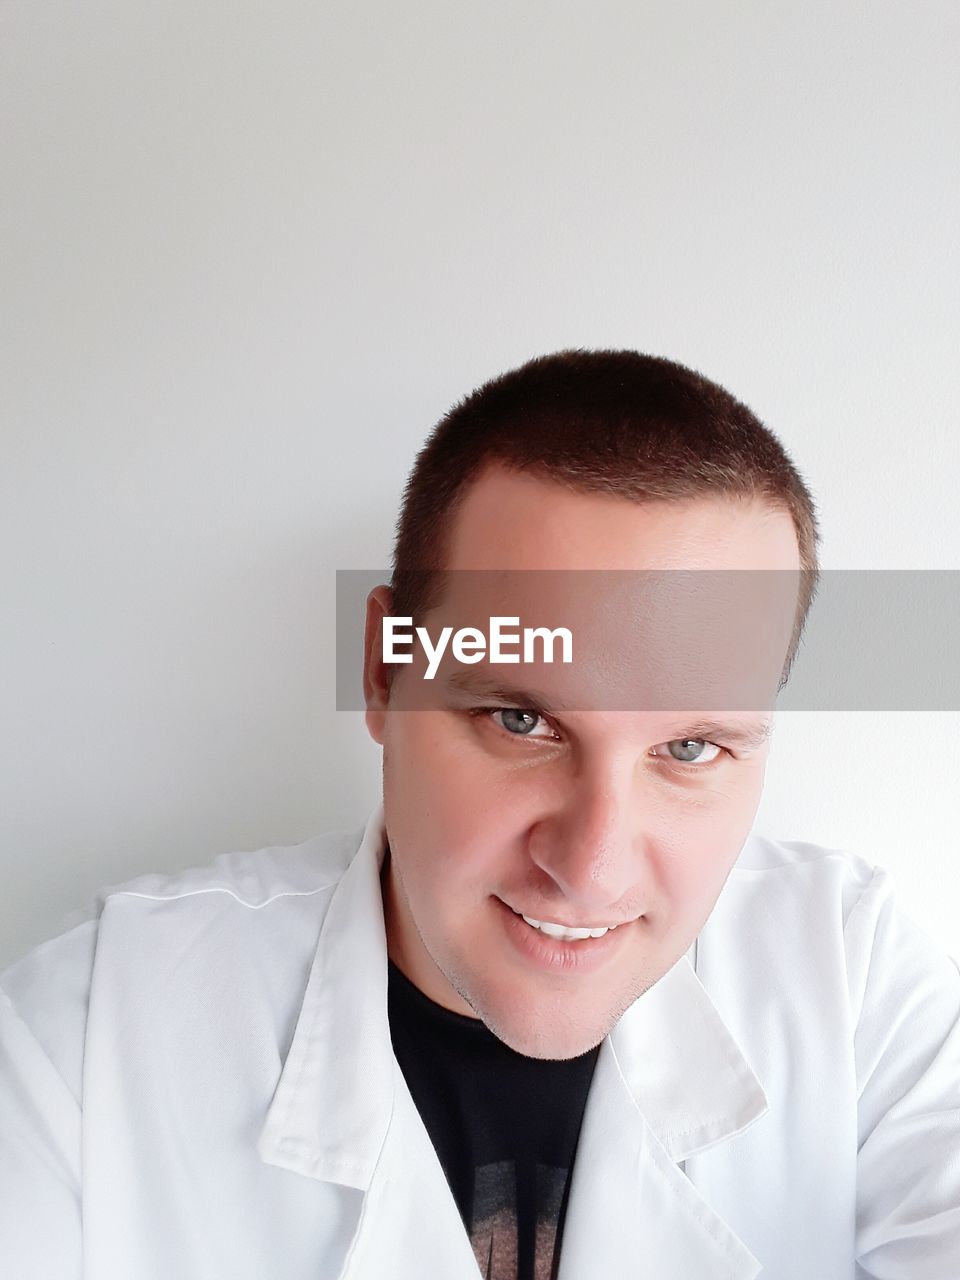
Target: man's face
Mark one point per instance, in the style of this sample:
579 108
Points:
586 818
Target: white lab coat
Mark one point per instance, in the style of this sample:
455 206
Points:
197 1083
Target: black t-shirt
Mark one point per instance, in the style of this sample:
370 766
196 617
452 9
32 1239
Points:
505 1129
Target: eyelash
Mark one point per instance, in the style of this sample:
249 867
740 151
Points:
490 712
680 766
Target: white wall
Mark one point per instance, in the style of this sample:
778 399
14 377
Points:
251 253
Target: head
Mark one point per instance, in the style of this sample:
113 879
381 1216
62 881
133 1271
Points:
503 804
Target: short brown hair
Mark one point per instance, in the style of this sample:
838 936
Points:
615 422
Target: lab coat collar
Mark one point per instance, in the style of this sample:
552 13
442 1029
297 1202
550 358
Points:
333 1103
670 1081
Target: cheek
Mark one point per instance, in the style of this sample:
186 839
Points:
445 805
698 844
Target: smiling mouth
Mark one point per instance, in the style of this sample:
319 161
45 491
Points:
565 933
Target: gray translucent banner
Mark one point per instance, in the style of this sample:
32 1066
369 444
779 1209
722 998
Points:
874 640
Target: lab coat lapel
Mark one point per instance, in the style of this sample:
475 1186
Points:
410 1227
669 1081
342 1112
332 1106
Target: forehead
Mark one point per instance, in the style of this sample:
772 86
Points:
514 520
660 610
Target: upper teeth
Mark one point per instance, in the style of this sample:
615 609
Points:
565 934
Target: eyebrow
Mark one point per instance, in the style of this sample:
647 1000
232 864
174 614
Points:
748 737
485 686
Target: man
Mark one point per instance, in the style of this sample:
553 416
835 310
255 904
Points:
556 1012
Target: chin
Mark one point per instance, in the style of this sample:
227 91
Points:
546 1032
533 1022
546 1043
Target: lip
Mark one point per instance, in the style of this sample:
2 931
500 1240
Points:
552 955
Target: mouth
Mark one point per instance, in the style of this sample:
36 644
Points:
560 948
565 932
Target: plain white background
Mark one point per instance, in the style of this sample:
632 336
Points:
252 252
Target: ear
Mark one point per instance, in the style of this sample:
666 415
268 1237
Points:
376 677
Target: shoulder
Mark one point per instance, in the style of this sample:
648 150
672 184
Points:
831 909
805 876
817 862
253 879
167 935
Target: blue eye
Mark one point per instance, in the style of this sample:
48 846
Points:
690 750
517 721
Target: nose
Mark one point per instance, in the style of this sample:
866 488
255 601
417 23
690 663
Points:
591 845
